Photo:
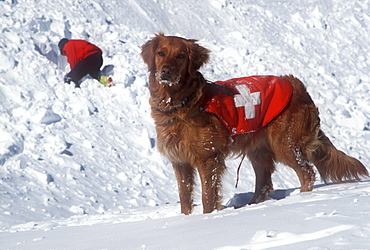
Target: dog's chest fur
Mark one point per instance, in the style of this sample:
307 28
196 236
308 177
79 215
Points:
201 135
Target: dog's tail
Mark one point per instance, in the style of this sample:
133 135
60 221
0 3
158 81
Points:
335 165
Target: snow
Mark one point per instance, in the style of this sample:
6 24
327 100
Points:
80 169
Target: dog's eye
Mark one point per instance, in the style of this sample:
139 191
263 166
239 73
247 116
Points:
180 56
160 53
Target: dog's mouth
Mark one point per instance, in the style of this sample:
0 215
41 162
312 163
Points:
167 79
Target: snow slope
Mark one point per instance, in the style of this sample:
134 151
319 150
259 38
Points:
79 167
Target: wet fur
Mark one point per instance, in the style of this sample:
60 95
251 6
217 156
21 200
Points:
194 140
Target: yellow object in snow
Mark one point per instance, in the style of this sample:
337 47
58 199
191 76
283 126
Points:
106 81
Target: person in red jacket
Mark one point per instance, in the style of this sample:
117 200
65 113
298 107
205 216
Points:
84 58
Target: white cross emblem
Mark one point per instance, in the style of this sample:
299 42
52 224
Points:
247 100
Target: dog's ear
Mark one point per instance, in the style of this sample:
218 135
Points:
148 51
198 56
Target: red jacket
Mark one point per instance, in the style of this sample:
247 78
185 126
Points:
77 50
246 104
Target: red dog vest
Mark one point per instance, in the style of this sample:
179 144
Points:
246 104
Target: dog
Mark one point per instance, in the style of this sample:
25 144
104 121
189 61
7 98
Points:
193 136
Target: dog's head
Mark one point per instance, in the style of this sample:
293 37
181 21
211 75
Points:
173 59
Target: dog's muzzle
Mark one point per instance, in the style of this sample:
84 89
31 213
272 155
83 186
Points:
165 76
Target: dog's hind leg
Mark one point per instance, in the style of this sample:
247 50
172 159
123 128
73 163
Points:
185 180
303 169
211 173
306 176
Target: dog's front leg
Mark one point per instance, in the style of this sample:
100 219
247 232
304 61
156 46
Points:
211 178
263 170
185 180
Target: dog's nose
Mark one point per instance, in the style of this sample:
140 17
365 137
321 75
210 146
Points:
166 71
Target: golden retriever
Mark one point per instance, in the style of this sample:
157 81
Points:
196 140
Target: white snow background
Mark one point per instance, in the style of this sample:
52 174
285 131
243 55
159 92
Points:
79 168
